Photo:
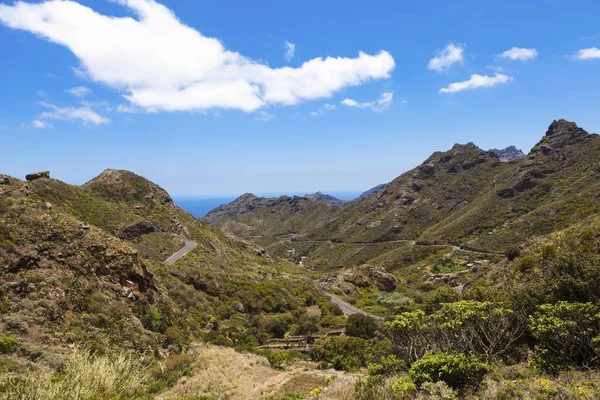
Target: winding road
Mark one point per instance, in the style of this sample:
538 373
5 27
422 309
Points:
349 309
189 246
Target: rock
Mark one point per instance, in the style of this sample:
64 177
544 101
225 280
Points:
365 276
38 175
4 179
136 230
508 154
194 349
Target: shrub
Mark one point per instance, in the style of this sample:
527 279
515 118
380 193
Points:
526 263
512 253
404 388
277 327
85 377
388 365
374 387
437 391
567 334
345 353
433 300
361 326
457 370
7 344
408 332
280 359
307 326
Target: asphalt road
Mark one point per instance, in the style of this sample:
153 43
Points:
189 246
349 309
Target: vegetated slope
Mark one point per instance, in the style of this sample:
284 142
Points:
464 196
81 266
250 215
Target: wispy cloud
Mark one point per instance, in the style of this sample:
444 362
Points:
289 50
381 104
324 109
39 124
82 114
517 53
591 53
477 81
160 64
444 59
264 116
79 91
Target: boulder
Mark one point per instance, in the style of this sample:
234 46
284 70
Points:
38 175
4 179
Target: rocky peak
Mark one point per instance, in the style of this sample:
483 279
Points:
319 196
460 157
509 153
119 184
561 133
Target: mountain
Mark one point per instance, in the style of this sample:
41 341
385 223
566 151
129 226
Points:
249 215
325 198
83 266
462 197
371 192
510 153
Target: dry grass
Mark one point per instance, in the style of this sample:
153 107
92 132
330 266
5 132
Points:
84 377
226 374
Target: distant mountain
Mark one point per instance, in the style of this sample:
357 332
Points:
326 198
464 196
371 192
510 153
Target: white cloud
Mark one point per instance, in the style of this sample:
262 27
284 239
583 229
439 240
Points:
160 64
324 109
381 104
289 50
264 116
82 114
39 124
444 59
477 81
79 91
517 53
590 53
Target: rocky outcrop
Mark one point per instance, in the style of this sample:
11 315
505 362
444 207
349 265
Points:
561 133
38 175
508 154
133 231
365 276
115 184
371 192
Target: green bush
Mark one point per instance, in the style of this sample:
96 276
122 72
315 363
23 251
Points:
457 370
567 334
526 263
7 344
512 253
345 353
388 365
404 388
361 326
277 327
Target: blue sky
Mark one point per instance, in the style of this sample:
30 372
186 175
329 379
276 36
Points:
208 98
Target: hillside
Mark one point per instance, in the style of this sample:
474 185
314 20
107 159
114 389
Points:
464 196
82 267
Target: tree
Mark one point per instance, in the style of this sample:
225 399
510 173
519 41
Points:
457 370
307 325
567 334
362 326
409 333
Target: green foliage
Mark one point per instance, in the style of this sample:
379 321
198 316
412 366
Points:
7 344
307 326
458 370
409 333
388 365
362 326
437 391
404 388
277 327
433 301
567 334
168 372
526 263
512 252
345 353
